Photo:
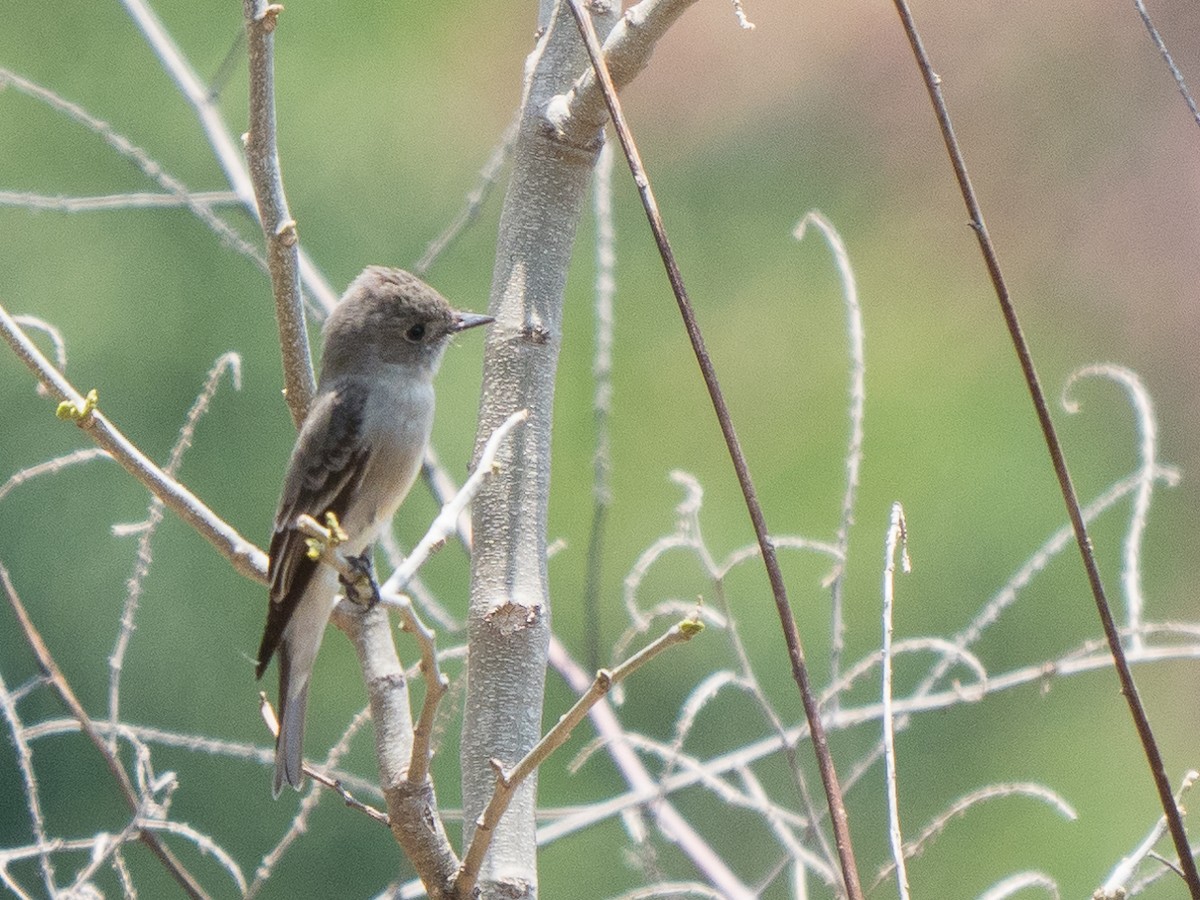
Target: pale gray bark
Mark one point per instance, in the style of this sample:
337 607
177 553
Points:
509 618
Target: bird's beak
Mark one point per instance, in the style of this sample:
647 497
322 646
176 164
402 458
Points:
465 320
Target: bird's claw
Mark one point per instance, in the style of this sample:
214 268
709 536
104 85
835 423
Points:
361 587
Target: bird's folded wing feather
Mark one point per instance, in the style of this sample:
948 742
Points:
326 469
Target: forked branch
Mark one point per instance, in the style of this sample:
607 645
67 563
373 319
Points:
508 780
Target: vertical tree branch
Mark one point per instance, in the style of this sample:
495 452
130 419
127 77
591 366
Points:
606 287
508 621
279 229
897 536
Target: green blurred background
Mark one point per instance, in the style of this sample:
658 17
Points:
1085 160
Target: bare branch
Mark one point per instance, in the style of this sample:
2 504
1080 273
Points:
962 805
508 780
116 201
51 466
246 558
228 361
627 51
448 518
32 795
1117 885
1137 711
177 870
136 155
897 536
229 156
1139 400
612 735
854 451
1014 884
488 176
1161 46
279 229
606 288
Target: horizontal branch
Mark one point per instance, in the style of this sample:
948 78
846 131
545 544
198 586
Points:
117 201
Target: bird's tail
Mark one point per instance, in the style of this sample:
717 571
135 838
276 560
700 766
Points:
297 653
293 704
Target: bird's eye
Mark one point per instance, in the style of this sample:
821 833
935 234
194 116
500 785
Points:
416 333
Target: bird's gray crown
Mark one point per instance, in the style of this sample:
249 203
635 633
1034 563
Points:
387 316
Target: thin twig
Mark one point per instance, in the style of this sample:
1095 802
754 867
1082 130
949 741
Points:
299 823
279 229
1161 45
228 154
606 288
51 466
1086 659
448 518
1022 881
1128 687
897 537
827 856
670 821
33 803
154 516
508 780
854 449
177 870
962 805
488 176
1139 399
245 557
833 793
1117 884
108 202
136 155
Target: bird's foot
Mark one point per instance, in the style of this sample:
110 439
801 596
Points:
361 587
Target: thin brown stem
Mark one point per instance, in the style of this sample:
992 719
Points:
1141 721
833 792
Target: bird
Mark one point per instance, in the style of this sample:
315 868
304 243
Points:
358 452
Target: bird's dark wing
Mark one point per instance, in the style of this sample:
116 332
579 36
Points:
324 474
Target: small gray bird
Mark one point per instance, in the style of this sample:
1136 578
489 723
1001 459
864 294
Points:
358 453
